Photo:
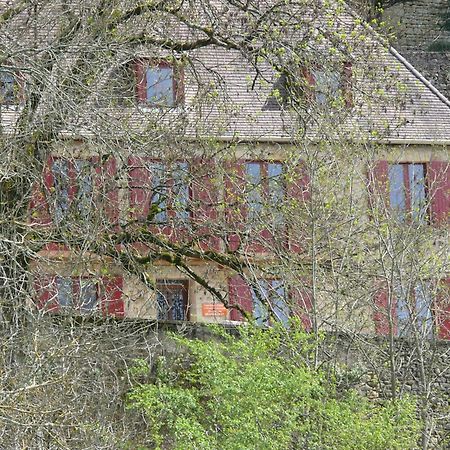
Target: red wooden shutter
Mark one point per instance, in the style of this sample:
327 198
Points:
39 207
302 305
442 308
178 84
107 189
205 198
299 193
239 294
141 80
236 211
112 296
379 187
310 84
439 180
381 312
140 188
46 293
347 85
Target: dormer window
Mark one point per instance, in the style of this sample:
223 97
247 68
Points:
159 83
320 86
326 85
8 88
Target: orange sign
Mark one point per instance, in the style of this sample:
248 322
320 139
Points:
214 309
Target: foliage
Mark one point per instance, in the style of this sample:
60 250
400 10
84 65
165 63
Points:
258 391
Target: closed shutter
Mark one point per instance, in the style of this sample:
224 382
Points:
442 308
382 313
239 294
112 296
41 190
204 205
107 198
301 305
439 183
139 188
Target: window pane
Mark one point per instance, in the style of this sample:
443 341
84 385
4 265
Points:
88 295
279 304
162 305
181 191
327 85
403 311
64 289
416 174
178 306
85 187
160 85
397 190
158 176
253 171
423 309
7 82
61 181
260 300
276 191
172 300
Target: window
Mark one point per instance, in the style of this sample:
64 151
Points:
327 85
73 185
269 301
159 83
77 293
414 310
319 85
170 191
172 299
407 191
265 189
8 87
160 192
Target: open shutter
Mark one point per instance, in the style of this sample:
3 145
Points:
140 188
46 293
347 84
439 180
205 199
141 84
442 308
298 189
301 305
112 296
379 187
236 211
381 311
107 193
39 206
239 294
310 83
178 84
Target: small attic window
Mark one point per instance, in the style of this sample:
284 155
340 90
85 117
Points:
314 86
159 83
8 88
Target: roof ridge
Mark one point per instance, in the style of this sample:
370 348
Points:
418 75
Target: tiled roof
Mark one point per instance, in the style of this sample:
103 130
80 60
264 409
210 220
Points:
395 104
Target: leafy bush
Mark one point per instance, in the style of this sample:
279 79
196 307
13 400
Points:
258 392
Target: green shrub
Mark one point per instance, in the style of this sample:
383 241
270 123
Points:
258 392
